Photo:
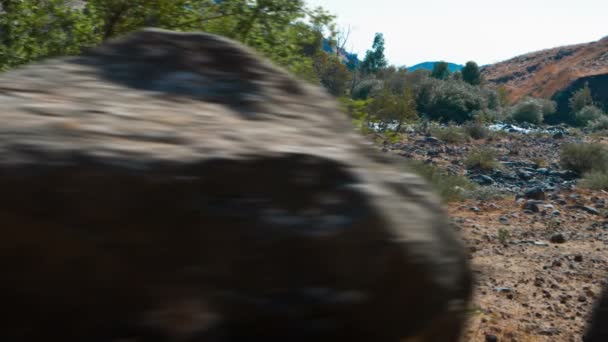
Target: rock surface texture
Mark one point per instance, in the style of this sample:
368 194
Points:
177 187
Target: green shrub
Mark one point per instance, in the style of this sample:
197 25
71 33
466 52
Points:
529 110
600 124
366 88
587 115
597 180
503 235
477 130
452 100
486 193
481 159
584 157
451 188
450 134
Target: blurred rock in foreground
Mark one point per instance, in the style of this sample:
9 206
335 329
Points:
177 187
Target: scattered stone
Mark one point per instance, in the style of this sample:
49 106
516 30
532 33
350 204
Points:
503 219
542 171
558 135
531 206
431 140
578 258
535 194
591 210
549 332
558 238
483 180
491 338
525 175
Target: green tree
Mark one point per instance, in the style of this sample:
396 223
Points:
374 59
31 30
333 75
286 31
471 73
503 95
390 108
580 99
441 71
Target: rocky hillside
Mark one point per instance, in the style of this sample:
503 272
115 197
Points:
555 73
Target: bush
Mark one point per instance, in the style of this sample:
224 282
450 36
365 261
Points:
597 180
453 100
600 124
487 193
450 134
586 115
366 88
477 130
481 159
450 187
584 157
529 110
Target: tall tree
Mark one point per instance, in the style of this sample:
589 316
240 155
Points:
374 59
441 70
471 73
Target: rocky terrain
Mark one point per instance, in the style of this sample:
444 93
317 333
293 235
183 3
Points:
538 247
549 72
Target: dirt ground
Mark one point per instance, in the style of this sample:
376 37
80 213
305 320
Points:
539 264
528 288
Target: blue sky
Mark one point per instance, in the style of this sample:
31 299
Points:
458 31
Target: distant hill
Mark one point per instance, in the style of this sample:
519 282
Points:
429 66
555 73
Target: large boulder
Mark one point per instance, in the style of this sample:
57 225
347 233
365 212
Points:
177 187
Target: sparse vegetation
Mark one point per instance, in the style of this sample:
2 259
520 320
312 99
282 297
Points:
599 124
481 159
587 115
450 187
596 180
532 111
540 162
477 130
486 193
584 157
450 134
503 235
580 99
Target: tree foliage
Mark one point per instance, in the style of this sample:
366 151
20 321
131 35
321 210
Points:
580 99
532 110
441 71
394 108
471 73
284 30
374 59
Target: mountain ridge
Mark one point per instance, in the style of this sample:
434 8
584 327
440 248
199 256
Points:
453 67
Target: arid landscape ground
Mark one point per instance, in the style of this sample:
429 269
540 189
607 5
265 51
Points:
538 243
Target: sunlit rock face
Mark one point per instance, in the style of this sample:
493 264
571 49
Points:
178 187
